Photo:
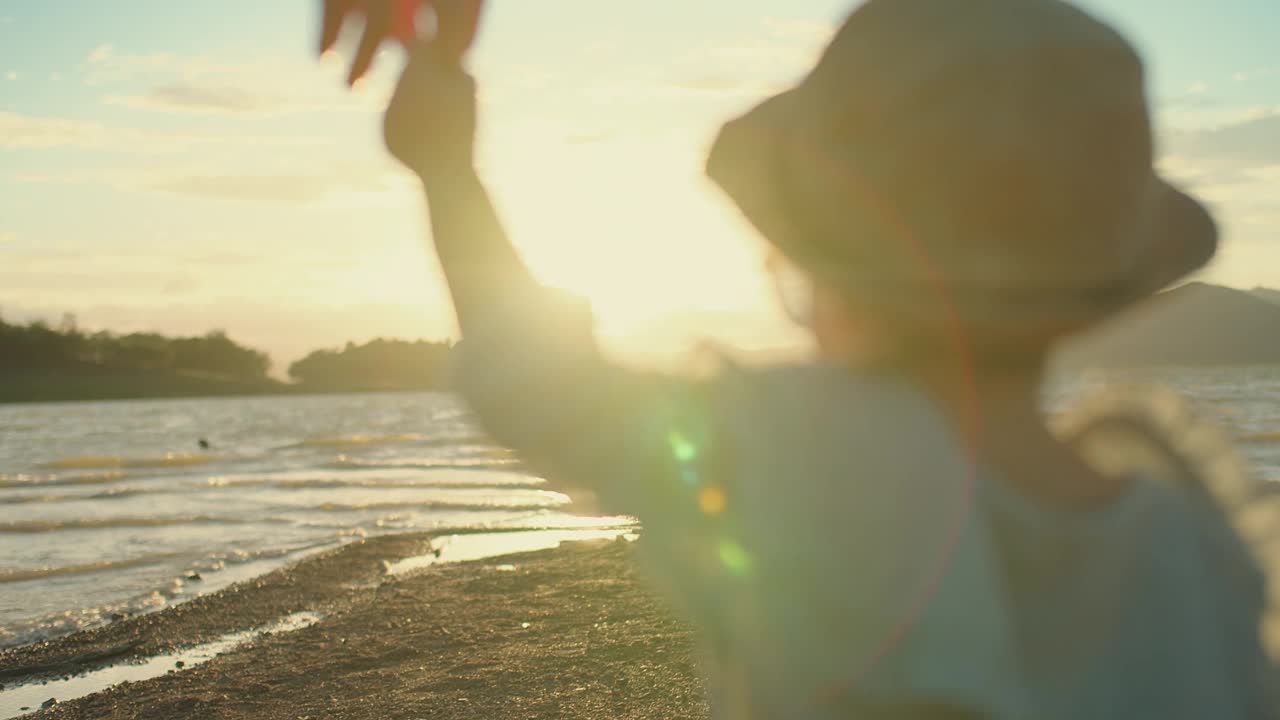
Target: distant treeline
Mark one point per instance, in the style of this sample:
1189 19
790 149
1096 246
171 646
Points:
39 361
376 365
38 346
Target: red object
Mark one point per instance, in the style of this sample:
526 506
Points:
456 24
458 20
404 19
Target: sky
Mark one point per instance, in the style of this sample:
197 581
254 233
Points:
184 166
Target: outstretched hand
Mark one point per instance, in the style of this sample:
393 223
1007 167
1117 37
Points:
430 123
379 21
456 22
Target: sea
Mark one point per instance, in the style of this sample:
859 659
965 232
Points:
111 509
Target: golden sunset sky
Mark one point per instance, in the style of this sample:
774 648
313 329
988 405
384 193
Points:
182 166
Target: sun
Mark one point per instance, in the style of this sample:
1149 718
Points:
632 230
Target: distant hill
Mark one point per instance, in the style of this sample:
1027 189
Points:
89 382
1196 324
1271 296
375 366
44 363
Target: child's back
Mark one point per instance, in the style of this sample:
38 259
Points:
895 532
844 553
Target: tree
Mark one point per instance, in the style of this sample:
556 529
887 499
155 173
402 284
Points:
217 354
377 365
36 346
138 351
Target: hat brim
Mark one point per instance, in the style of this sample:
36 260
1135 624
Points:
747 161
1182 238
743 162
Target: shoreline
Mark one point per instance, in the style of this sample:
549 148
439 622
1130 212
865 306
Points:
564 632
54 388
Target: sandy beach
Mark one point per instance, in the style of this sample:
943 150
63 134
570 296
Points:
566 633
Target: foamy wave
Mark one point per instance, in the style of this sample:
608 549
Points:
21 574
515 505
39 526
68 622
357 440
219 570
29 480
118 494
515 482
343 462
164 461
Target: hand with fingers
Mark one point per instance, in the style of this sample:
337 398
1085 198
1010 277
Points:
430 122
456 22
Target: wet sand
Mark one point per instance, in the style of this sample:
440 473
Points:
565 633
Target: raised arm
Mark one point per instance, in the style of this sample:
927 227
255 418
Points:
430 127
528 363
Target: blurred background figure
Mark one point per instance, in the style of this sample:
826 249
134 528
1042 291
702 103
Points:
892 529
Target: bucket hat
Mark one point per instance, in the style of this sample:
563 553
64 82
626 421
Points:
997 152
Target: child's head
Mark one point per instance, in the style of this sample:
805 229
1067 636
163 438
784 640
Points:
972 173
860 332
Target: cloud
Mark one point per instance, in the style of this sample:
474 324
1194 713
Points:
80 274
19 131
200 84
296 181
26 131
1235 168
1250 143
100 54
183 97
90 283
286 189
105 64
1255 74
1195 95
776 54
293 181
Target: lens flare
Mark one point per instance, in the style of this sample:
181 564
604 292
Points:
734 558
682 448
712 500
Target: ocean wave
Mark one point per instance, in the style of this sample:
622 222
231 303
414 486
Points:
163 461
516 482
219 570
513 506
40 526
343 462
23 574
63 623
115 494
356 440
29 480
